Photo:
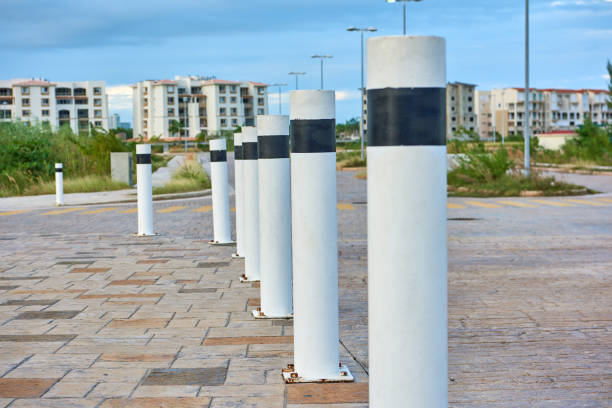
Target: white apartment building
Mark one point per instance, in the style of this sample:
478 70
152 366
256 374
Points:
551 109
77 104
211 105
113 122
460 110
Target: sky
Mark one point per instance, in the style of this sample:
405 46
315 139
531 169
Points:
122 42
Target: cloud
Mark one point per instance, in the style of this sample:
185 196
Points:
119 97
347 95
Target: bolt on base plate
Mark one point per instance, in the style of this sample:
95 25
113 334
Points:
258 314
145 235
290 376
222 243
244 279
237 256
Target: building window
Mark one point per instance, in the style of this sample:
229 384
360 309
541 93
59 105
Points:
97 91
223 122
260 101
181 91
97 102
25 113
452 98
5 114
25 101
260 90
98 113
222 88
222 111
45 112
454 129
454 118
222 99
44 90
471 119
233 89
469 99
170 100
234 111
25 90
98 123
233 99
234 122
170 111
44 102
170 89
260 111
469 109
452 108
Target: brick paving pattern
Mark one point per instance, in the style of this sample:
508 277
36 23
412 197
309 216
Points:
92 316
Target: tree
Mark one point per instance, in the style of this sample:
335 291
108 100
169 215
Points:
609 85
175 127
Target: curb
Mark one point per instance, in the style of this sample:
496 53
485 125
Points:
159 197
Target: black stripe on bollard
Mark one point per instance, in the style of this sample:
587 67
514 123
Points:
238 152
273 147
218 156
143 158
59 170
313 136
249 151
407 117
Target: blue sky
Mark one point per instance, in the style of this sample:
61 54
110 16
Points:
122 42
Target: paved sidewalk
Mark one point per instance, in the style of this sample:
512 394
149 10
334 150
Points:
92 316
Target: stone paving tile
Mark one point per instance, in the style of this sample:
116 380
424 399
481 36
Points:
24 387
247 402
159 402
166 391
49 314
57 403
327 393
225 341
187 376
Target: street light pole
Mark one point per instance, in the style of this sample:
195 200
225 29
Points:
321 57
404 9
526 136
186 102
361 124
296 77
279 96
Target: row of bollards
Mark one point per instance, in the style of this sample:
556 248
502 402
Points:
286 223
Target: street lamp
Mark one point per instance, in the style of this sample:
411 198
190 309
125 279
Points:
296 77
404 6
322 57
186 103
526 136
279 95
361 30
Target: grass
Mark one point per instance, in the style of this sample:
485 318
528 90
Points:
84 184
189 177
349 160
158 160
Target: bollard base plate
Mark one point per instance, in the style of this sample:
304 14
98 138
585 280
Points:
215 243
258 314
237 256
244 279
145 235
290 376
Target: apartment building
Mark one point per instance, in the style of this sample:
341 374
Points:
460 112
460 108
211 105
550 110
77 104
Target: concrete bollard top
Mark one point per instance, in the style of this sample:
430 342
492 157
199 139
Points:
59 165
406 62
143 149
238 139
272 125
312 104
249 134
218 144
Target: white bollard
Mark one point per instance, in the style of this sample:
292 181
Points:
406 187
59 184
251 203
238 196
274 217
314 239
144 189
220 193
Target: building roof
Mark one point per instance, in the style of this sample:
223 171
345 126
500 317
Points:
165 82
220 82
462 84
560 90
34 82
258 83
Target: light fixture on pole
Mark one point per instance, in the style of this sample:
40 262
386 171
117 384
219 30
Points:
296 77
186 107
322 57
404 7
361 30
280 85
